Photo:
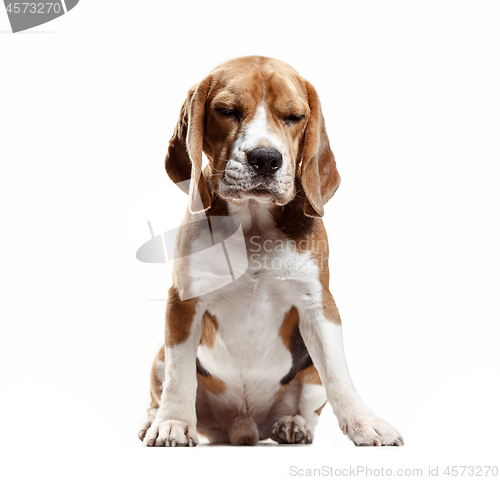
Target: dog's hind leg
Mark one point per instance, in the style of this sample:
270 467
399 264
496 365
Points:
299 427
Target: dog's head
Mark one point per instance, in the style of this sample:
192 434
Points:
260 125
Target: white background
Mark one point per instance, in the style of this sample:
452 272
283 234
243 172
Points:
88 103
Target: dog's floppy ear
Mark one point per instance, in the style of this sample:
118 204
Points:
319 176
184 156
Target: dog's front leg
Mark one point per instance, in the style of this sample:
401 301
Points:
322 333
175 422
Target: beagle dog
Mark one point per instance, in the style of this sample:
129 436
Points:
260 356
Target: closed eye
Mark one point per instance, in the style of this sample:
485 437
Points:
292 119
229 112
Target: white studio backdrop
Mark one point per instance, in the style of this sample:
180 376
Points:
88 103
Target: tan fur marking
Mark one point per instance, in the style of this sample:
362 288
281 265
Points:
179 317
309 375
330 309
317 244
209 331
318 411
212 384
288 326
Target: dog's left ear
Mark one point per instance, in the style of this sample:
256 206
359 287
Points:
184 156
319 176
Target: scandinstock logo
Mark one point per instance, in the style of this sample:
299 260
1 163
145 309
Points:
26 15
207 252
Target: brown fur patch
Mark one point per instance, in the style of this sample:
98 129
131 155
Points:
179 317
317 243
291 220
309 375
292 338
330 309
288 327
209 331
212 384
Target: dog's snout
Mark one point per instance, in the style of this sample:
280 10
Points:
265 161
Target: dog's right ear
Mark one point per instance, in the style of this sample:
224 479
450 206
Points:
184 156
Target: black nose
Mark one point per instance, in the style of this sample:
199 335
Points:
265 161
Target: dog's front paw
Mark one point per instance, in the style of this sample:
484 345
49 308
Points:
291 429
371 431
171 433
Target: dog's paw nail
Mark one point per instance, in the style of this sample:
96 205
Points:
291 429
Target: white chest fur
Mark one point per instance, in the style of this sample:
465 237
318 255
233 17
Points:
248 354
